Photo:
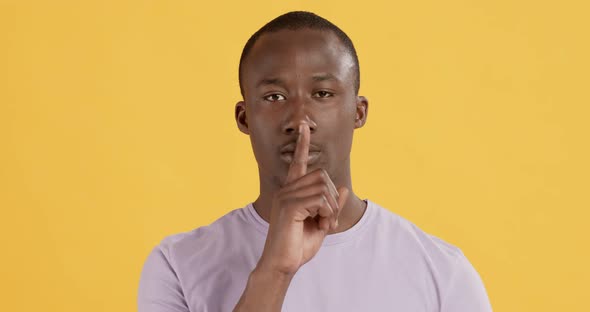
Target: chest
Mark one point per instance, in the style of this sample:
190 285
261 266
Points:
332 281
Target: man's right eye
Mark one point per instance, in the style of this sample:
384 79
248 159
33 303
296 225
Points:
274 97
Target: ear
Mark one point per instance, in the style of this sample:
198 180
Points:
362 110
241 118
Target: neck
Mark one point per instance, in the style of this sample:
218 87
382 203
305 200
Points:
351 213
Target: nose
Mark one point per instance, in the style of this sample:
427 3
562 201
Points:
297 113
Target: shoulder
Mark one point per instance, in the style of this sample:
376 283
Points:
186 260
175 253
458 284
202 239
408 235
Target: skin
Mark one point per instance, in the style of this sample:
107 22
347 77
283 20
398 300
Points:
300 110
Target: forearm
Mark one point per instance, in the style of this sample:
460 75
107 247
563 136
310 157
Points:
265 292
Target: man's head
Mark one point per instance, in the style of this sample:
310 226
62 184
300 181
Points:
300 72
298 20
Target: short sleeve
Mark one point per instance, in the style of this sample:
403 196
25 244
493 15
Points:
465 291
159 287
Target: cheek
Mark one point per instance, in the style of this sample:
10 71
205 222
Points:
262 130
261 138
344 129
343 120
339 141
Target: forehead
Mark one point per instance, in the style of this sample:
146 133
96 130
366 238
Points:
297 54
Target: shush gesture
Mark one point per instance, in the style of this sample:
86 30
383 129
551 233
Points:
300 107
303 211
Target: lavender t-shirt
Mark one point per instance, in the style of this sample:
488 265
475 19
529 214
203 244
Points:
382 263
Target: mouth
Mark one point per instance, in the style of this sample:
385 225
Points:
312 157
288 150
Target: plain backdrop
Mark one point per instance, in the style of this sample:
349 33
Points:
117 129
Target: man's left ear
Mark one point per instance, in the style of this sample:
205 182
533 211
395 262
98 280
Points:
362 110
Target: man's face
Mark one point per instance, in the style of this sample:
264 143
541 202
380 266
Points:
292 77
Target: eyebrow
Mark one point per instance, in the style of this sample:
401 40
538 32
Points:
281 83
270 81
323 77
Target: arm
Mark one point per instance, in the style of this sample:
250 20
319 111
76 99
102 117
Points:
265 291
303 211
159 288
465 291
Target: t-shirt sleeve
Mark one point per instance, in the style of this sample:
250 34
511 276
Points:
465 291
159 287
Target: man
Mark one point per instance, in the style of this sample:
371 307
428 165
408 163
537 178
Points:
307 243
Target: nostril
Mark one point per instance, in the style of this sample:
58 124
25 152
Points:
290 130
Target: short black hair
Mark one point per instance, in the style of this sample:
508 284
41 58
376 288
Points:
298 20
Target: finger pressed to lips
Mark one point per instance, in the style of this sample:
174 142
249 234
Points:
298 167
289 158
290 147
315 190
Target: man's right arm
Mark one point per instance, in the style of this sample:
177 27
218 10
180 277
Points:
303 211
265 291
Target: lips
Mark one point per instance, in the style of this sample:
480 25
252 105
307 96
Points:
288 151
290 148
311 158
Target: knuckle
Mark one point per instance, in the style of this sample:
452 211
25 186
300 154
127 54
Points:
318 172
321 199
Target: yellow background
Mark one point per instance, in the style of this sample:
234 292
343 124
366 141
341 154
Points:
117 129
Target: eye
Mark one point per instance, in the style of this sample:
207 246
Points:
323 94
274 97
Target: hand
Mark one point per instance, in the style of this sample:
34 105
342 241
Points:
303 211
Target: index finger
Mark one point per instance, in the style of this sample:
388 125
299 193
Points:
298 167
